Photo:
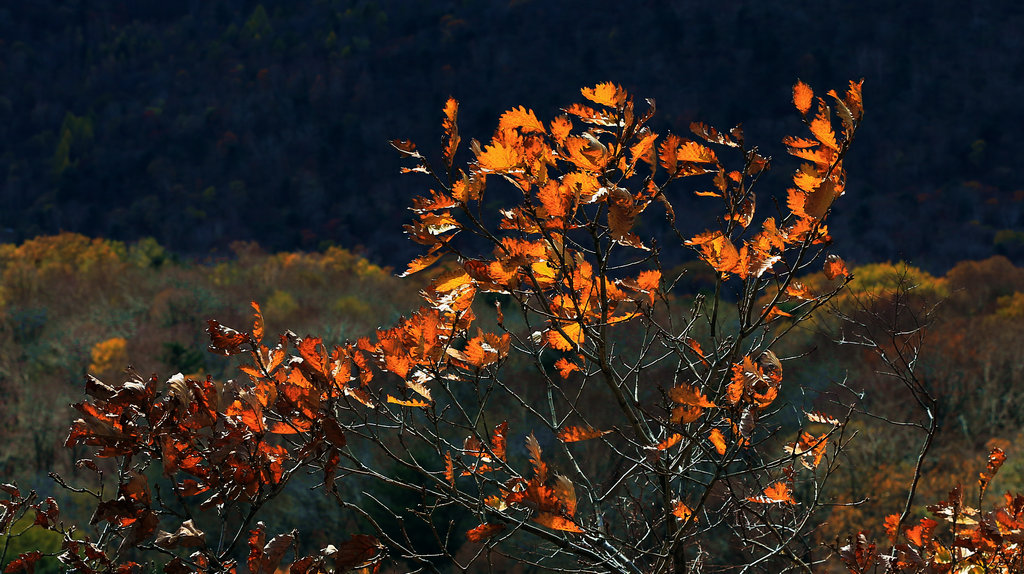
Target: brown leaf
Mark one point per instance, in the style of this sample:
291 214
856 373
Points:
565 492
187 536
224 340
835 267
359 551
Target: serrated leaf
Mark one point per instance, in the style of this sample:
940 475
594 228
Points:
776 493
803 96
520 118
605 94
576 434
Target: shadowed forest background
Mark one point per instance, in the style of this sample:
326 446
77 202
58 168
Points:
203 123
165 163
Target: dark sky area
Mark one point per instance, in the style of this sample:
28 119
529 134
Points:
204 122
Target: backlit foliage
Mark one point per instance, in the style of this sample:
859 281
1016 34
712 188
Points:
649 441
960 535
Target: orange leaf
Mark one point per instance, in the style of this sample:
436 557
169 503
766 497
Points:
449 469
560 128
498 443
521 118
421 263
996 458
451 280
451 139
821 127
565 367
686 414
669 442
668 154
921 534
642 149
818 201
360 395
809 447
573 336
257 325
689 395
606 94
774 313
694 152
576 434
799 290
835 267
803 95
776 493
718 251
718 439
854 99
681 511
695 347
498 157
484 531
411 403
892 524
556 522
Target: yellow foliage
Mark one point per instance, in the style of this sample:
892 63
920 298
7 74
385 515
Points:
1010 306
882 278
109 355
280 305
352 307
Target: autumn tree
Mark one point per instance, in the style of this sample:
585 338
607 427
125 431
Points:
655 434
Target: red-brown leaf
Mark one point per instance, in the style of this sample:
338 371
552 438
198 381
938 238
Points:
484 531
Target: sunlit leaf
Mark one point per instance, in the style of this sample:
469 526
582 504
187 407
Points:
556 522
669 442
565 367
451 139
835 267
776 493
803 96
520 118
606 94
417 403
484 531
821 127
575 434
718 440
681 511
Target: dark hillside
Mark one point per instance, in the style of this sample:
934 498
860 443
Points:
202 123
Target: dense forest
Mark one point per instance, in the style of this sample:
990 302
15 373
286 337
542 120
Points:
71 305
203 123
